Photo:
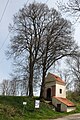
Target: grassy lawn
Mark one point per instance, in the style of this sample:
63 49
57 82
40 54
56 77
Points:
12 108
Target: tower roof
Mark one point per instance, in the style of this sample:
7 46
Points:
57 78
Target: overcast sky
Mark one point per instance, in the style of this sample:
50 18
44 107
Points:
13 7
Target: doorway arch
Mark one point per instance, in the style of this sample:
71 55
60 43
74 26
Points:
49 94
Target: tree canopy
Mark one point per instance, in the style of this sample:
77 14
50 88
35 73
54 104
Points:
40 37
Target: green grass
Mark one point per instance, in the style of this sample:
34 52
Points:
11 108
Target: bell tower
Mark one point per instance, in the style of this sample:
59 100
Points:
54 86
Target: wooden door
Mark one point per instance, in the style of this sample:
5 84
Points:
58 107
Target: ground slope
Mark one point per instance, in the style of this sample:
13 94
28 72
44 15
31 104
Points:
12 108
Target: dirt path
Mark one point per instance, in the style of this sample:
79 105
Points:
70 117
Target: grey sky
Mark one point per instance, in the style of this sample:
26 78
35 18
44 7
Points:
12 8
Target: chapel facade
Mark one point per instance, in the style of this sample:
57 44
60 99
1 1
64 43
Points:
55 91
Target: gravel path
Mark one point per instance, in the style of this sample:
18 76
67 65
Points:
70 117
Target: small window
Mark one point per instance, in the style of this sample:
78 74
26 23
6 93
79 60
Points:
60 91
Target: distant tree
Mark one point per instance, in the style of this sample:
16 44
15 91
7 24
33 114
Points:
74 67
14 87
64 72
40 36
21 75
67 74
71 7
5 87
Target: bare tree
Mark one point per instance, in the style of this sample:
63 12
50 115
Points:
74 67
64 72
5 87
14 87
29 27
71 7
41 37
59 43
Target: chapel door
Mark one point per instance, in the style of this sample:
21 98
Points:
58 107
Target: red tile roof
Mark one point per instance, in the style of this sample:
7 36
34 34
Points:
65 101
57 78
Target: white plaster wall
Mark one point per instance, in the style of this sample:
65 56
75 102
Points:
69 109
58 87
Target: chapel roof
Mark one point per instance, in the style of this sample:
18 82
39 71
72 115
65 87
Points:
57 78
65 101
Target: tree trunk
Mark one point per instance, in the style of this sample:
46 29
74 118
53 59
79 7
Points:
31 84
43 83
31 66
